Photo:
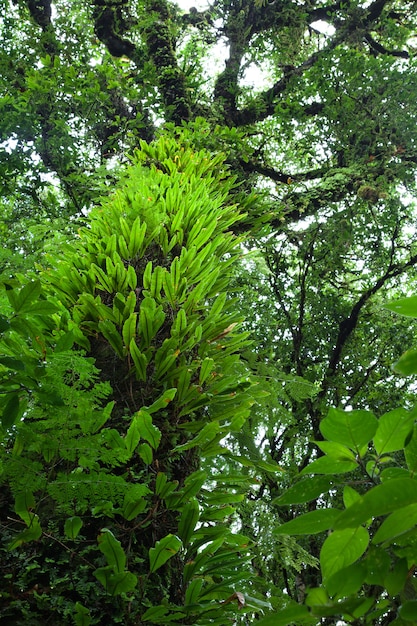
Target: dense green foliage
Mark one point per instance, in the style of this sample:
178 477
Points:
202 268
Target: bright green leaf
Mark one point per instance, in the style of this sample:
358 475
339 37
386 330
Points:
164 550
350 428
342 548
393 429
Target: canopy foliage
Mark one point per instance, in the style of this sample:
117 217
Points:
204 213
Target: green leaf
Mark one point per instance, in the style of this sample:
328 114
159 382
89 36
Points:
72 526
309 523
337 451
32 533
155 614
408 611
82 615
112 550
145 452
381 500
147 430
135 501
65 342
164 550
12 363
43 307
393 429
350 428
188 520
132 436
396 579
24 503
193 591
162 402
347 581
342 548
404 306
294 615
396 524
407 363
21 300
11 411
115 583
206 434
305 490
329 465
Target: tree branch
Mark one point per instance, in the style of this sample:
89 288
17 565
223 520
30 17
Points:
349 324
161 50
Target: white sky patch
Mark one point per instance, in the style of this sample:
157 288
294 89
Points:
323 27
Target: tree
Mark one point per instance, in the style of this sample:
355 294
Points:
323 157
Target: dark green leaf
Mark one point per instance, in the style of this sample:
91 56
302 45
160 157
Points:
309 523
73 526
11 411
381 500
305 490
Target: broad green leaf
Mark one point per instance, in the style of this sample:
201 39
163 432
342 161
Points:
132 436
411 452
378 564
11 411
403 306
193 591
399 522
82 615
346 581
72 526
115 583
65 342
407 363
24 504
342 548
309 523
408 611
206 434
396 579
305 490
162 402
4 324
294 615
336 450
164 550
135 501
32 533
21 300
145 452
112 550
317 596
43 307
393 429
12 363
350 428
381 500
192 486
155 613
188 520
329 465
147 430
350 496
